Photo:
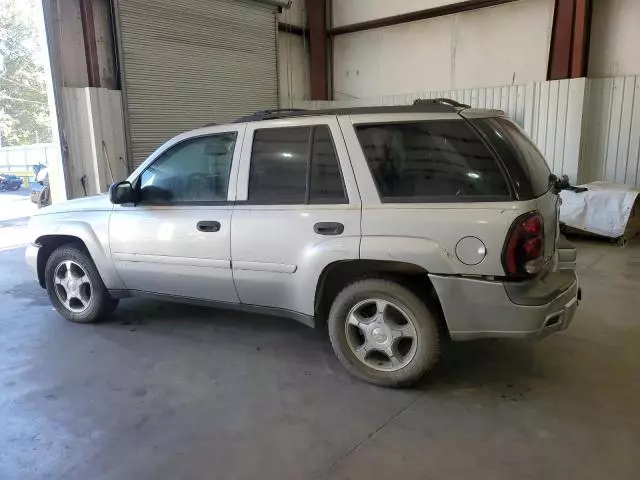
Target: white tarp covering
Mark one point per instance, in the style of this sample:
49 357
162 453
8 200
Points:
603 210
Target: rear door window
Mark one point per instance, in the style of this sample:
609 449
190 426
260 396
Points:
279 158
444 160
295 165
325 178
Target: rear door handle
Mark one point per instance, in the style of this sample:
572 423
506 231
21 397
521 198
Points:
209 226
328 228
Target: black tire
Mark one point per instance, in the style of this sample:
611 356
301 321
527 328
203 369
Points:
428 338
100 304
16 188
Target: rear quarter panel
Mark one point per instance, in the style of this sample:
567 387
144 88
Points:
549 207
426 234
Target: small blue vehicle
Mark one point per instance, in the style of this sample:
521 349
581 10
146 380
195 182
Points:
10 182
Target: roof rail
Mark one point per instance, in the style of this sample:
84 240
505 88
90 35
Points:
446 101
268 114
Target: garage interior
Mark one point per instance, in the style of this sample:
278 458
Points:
172 391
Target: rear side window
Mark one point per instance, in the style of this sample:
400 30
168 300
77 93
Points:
526 167
278 172
442 160
325 179
531 158
295 165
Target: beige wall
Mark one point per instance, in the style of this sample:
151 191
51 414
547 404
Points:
73 68
293 68
296 15
293 57
503 45
346 12
615 38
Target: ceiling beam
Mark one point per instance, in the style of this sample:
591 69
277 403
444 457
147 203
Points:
465 6
293 29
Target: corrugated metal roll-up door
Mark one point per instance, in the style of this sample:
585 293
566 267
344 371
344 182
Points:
188 63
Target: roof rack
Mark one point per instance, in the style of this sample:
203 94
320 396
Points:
270 114
442 105
446 101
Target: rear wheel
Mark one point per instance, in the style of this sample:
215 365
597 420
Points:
383 333
75 287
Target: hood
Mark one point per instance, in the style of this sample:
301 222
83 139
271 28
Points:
84 204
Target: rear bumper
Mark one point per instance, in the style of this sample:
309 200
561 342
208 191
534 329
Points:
567 254
476 308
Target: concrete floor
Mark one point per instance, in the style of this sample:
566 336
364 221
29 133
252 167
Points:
15 210
172 392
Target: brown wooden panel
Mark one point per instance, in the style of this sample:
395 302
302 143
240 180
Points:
317 20
561 40
90 48
581 34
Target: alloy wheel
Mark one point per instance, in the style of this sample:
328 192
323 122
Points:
381 334
72 286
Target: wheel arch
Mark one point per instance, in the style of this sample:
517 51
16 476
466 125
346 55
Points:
49 244
81 234
337 275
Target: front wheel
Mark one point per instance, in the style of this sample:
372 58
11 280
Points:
383 333
16 187
75 287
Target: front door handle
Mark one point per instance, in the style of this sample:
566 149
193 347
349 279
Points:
328 228
209 226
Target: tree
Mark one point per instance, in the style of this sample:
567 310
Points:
24 110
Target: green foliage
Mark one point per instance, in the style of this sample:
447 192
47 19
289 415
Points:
24 110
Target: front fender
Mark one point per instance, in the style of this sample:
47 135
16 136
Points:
94 235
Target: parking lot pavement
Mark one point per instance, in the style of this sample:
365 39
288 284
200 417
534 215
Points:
166 391
15 210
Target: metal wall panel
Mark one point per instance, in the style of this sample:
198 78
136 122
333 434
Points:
549 112
187 63
611 149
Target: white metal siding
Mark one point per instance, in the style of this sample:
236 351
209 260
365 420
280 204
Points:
611 148
550 113
187 63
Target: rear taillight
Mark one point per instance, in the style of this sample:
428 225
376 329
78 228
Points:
524 251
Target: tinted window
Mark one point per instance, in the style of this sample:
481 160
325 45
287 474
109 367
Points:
326 180
285 160
278 172
196 170
531 158
431 159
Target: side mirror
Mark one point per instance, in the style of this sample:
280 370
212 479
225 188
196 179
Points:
122 192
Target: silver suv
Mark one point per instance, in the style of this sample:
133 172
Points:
400 227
